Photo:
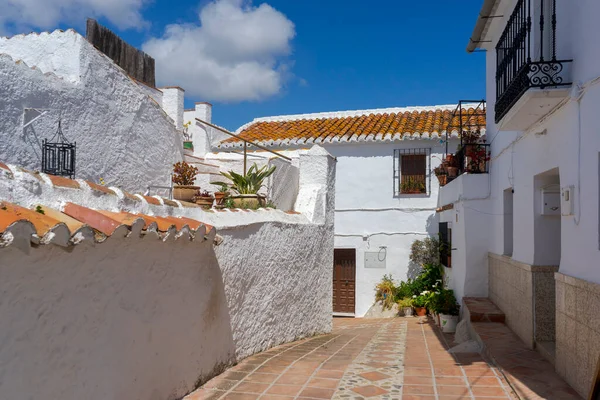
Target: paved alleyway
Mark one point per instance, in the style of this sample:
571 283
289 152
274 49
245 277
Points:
376 359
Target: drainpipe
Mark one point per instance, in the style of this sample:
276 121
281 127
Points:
484 15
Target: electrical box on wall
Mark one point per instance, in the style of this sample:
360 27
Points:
550 202
375 259
566 200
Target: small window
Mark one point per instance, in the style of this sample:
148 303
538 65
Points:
411 172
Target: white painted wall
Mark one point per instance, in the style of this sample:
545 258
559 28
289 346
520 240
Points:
369 218
122 135
470 236
138 318
567 140
367 215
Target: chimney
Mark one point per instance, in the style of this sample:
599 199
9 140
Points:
204 111
200 132
172 103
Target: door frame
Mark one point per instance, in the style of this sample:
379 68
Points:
345 314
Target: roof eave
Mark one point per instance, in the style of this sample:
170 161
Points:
482 22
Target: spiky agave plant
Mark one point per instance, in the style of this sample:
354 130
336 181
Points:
250 183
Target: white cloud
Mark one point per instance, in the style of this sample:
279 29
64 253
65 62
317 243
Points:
236 52
46 14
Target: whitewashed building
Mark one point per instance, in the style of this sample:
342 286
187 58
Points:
386 191
527 235
126 131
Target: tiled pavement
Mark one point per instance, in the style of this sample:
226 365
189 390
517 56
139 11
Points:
376 359
530 374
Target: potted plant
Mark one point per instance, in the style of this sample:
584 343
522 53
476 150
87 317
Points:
188 145
441 174
247 186
411 186
221 194
419 303
184 176
406 306
203 199
385 292
448 310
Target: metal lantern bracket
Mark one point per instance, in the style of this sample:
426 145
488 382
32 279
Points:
58 154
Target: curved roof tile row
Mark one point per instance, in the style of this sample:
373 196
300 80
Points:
72 223
379 125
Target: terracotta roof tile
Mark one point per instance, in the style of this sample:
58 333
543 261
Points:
65 227
93 218
43 223
73 224
60 181
8 218
100 188
130 196
424 121
151 200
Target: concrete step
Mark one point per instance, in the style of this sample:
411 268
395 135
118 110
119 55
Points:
481 309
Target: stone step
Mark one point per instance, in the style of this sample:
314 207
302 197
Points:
481 309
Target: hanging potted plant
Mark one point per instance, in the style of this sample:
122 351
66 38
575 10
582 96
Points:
406 306
184 177
448 310
221 194
441 175
247 186
203 199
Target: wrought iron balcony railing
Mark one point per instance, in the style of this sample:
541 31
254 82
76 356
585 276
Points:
473 158
516 70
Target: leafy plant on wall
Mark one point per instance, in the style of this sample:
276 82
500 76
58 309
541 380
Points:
184 174
250 183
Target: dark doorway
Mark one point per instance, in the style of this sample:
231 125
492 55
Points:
344 280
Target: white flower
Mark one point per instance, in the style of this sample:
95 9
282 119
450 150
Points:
414 296
437 292
424 292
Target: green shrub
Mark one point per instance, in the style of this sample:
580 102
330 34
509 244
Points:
405 302
426 251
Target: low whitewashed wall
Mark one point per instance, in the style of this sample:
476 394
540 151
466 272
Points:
122 135
136 318
125 319
469 219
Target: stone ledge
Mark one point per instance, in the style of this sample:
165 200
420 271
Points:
578 283
521 265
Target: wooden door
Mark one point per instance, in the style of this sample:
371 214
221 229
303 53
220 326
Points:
344 280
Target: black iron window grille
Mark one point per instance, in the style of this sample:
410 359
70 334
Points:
58 155
412 171
517 69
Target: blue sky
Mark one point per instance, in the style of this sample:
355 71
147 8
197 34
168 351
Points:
288 56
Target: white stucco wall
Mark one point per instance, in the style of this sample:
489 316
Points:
141 318
369 218
568 142
122 135
367 215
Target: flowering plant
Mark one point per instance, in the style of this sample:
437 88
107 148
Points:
184 174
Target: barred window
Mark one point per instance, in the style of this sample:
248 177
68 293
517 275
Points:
411 175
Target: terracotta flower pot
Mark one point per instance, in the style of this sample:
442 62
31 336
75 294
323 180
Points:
248 201
184 193
421 311
205 201
220 198
442 179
